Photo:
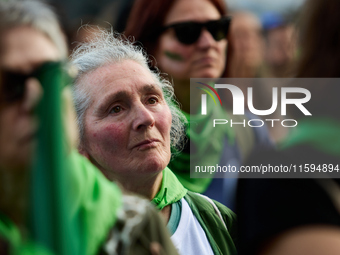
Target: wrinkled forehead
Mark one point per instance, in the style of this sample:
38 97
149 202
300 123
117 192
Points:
126 75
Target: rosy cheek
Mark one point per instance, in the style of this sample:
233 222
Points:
166 121
111 136
114 128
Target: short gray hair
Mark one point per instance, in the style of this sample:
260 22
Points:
35 14
108 47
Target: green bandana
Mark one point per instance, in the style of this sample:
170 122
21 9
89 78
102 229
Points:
322 134
207 142
171 190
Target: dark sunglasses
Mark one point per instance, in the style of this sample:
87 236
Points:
189 32
13 83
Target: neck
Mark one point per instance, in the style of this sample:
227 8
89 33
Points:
148 188
145 186
166 212
13 199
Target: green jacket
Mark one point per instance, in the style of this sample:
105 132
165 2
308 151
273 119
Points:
221 239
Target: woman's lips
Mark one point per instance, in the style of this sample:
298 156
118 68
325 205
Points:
205 61
146 144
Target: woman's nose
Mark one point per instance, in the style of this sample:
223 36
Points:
205 40
143 118
33 94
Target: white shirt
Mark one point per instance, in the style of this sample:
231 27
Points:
189 237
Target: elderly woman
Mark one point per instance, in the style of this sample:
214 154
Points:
188 39
128 124
88 215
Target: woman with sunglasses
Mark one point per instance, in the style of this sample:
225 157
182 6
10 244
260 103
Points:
189 40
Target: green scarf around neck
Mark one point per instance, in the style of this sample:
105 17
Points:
170 192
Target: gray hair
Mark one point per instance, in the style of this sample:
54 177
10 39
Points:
110 47
36 14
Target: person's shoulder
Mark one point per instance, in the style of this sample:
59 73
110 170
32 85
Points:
218 221
204 204
204 201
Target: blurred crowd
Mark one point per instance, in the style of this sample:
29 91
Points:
99 128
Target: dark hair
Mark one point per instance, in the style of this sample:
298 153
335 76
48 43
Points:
320 37
147 17
320 54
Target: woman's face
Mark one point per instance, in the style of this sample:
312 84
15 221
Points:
247 40
24 49
203 59
127 124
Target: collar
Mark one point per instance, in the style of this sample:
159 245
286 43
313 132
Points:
170 192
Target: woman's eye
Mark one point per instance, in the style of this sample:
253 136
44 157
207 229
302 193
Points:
116 109
152 100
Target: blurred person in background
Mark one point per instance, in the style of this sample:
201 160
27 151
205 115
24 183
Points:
128 123
188 39
246 46
280 46
246 59
302 216
36 215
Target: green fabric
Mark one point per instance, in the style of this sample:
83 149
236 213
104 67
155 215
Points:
175 216
93 209
321 133
95 202
223 241
170 192
10 233
49 221
73 205
206 146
